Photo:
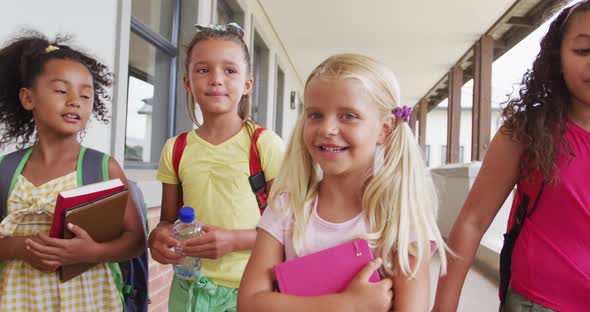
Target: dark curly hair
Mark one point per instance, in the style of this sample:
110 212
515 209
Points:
537 117
21 61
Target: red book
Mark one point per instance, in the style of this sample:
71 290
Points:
79 196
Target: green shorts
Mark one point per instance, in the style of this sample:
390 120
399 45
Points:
201 296
516 302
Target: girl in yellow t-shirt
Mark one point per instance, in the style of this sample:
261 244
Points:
213 173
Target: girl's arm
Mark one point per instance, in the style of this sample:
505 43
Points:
217 242
133 240
496 179
13 248
83 249
161 240
256 287
412 294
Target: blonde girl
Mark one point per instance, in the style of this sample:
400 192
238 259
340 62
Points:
353 169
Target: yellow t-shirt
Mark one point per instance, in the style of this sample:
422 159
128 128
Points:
215 183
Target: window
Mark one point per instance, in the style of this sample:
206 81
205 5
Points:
260 88
224 13
151 82
229 11
280 102
156 15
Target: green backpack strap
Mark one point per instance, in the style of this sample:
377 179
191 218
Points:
118 278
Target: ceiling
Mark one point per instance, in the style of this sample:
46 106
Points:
419 39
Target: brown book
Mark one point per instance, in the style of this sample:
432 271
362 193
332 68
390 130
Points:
101 218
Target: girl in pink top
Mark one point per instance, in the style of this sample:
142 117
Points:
545 137
352 169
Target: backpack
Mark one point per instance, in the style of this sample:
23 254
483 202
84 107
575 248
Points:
256 179
518 214
131 276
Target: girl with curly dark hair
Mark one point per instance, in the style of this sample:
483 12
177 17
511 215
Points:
544 149
48 92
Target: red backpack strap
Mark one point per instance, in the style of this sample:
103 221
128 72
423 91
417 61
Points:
525 192
527 189
177 151
257 179
255 166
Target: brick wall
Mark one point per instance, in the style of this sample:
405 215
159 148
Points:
160 275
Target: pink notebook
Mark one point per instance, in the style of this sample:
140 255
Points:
325 272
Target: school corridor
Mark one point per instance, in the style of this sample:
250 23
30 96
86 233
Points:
455 60
480 292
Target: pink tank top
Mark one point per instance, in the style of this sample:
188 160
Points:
551 259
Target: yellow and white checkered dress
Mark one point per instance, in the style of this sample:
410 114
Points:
23 288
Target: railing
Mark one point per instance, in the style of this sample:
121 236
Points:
453 183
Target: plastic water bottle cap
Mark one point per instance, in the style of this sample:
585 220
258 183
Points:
187 214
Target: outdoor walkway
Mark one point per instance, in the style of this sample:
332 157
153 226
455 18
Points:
480 293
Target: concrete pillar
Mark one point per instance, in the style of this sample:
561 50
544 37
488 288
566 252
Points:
482 97
454 114
422 111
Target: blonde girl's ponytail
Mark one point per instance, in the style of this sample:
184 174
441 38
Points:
401 204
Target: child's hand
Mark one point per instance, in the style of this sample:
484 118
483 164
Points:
214 243
80 249
37 260
160 243
368 296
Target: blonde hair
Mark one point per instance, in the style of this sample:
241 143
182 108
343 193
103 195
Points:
399 199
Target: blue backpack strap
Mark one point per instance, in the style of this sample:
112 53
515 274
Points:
135 271
130 276
139 201
11 166
93 166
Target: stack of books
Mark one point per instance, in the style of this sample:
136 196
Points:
97 208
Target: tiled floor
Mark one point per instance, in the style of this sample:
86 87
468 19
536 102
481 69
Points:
479 294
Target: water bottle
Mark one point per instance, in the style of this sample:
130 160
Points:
186 228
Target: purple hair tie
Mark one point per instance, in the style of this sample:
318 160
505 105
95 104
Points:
403 112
